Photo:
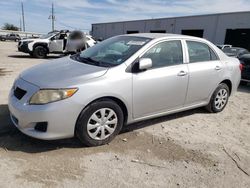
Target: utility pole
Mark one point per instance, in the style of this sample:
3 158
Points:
52 17
20 24
23 17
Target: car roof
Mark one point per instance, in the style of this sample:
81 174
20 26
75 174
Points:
161 35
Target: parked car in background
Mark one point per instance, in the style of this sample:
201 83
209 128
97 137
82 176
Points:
245 74
122 80
12 37
244 56
235 51
56 42
223 46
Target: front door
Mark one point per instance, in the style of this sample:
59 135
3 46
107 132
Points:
56 44
164 86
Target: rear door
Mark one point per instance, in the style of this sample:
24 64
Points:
205 72
164 86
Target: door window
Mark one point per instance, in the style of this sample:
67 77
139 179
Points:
199 52
166 53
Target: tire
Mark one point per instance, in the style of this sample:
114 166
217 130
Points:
40 52
243 83
90 131
219 99
31 54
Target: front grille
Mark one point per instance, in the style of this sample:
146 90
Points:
19 93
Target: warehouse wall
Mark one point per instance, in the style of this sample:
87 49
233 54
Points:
214 26
231 21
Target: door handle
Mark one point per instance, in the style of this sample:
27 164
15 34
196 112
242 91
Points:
182 73
217 68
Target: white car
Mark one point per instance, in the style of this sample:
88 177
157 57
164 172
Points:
63 42
122 80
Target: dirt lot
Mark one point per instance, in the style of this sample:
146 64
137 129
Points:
189 149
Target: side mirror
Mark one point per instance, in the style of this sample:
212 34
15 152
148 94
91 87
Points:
145 63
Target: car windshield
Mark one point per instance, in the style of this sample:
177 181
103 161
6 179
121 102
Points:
111 52
47 35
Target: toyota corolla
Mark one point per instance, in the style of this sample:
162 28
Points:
119 81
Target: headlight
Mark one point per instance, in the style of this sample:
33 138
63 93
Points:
26 42
45 96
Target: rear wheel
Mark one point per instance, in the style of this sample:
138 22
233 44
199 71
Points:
219 99
99 123
40 52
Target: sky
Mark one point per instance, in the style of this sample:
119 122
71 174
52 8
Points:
80 14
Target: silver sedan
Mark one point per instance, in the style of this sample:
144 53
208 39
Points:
119 81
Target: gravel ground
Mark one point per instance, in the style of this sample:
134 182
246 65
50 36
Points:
188 149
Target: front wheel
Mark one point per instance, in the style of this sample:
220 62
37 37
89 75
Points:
219 99
99 123
40 52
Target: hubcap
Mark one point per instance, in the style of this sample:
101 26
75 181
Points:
221 99
41 52
102 124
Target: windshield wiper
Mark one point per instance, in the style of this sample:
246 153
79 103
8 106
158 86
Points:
91 61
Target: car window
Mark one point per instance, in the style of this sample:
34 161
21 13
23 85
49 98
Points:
199 52
242 52
165 54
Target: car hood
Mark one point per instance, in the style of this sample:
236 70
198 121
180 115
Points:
61 73
34 40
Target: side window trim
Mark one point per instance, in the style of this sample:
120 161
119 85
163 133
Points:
167 40
210 49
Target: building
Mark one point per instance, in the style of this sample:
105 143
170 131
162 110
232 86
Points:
224 28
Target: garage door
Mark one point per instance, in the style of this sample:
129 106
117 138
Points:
238 38
193 32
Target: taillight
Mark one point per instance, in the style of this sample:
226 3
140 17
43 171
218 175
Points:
241 67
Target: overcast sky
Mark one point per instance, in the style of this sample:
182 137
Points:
79 14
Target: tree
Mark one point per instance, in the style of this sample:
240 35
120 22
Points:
8 26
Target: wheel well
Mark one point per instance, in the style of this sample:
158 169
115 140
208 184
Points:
41 44
119 102
229 84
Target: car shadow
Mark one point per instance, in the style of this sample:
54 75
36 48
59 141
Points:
29 57
150 122
244 88
11 139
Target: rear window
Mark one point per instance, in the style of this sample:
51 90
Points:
200 52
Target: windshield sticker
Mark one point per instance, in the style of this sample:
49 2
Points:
138 43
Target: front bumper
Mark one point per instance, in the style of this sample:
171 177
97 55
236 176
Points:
23 47
60 116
